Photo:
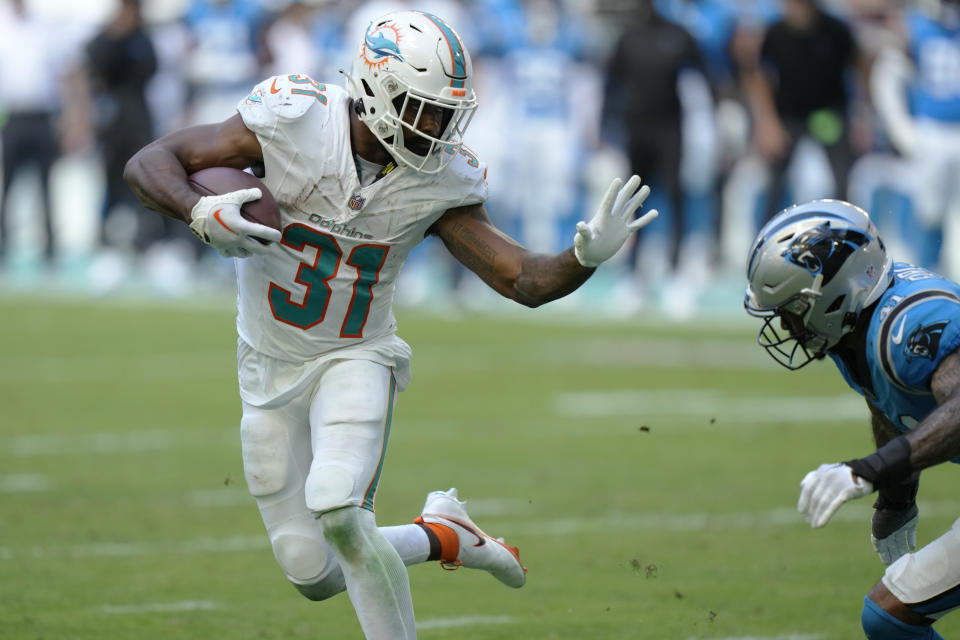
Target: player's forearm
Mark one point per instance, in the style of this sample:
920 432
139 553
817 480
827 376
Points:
937 438
543 278
159 180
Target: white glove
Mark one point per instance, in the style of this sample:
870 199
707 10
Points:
598 240
900 541
217 221
823 490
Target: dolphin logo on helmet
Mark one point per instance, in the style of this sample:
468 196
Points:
383 47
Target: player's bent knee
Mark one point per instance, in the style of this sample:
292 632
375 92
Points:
344 530
304 560
878 624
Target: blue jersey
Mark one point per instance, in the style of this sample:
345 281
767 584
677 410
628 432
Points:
916 325
935 50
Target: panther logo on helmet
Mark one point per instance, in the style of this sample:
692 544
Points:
823 250
380 44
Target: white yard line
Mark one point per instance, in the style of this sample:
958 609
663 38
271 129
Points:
233 544
462 621
86 443
109 442
23 483
659 352
159 607
734 408
623 523
113 368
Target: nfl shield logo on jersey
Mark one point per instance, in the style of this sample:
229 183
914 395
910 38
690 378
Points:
356 202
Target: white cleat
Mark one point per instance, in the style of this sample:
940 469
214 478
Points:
477 549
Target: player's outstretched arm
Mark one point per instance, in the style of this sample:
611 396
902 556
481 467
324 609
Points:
533 279
508 268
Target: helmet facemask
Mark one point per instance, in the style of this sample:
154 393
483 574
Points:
785 334
412 110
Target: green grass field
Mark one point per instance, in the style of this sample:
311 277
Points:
648 472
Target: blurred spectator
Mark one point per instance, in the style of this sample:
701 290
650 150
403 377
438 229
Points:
652 59
915 86
34 61
121 60
226 57
712 23
537 73
713 126
167 89
289 42
798 91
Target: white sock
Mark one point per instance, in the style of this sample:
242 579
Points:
410 541
376 578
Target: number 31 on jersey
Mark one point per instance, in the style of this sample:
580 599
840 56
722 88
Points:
367 259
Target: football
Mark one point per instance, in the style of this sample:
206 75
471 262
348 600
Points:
218 180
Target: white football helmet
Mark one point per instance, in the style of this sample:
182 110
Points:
414 59
813 268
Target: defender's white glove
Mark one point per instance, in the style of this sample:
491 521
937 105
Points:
217 221
598 240
898 531
823 490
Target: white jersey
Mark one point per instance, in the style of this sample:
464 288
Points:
329 283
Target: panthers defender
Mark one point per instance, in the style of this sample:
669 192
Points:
361 175
820 278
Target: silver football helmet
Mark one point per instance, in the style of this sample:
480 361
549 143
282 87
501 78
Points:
812 269
414 60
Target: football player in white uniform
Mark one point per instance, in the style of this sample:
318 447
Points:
361 175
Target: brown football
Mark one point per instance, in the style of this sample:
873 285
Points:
218 180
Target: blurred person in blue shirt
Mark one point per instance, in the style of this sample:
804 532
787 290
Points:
547 83
227 54
915 86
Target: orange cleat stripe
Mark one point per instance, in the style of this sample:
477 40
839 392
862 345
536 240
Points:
449 543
